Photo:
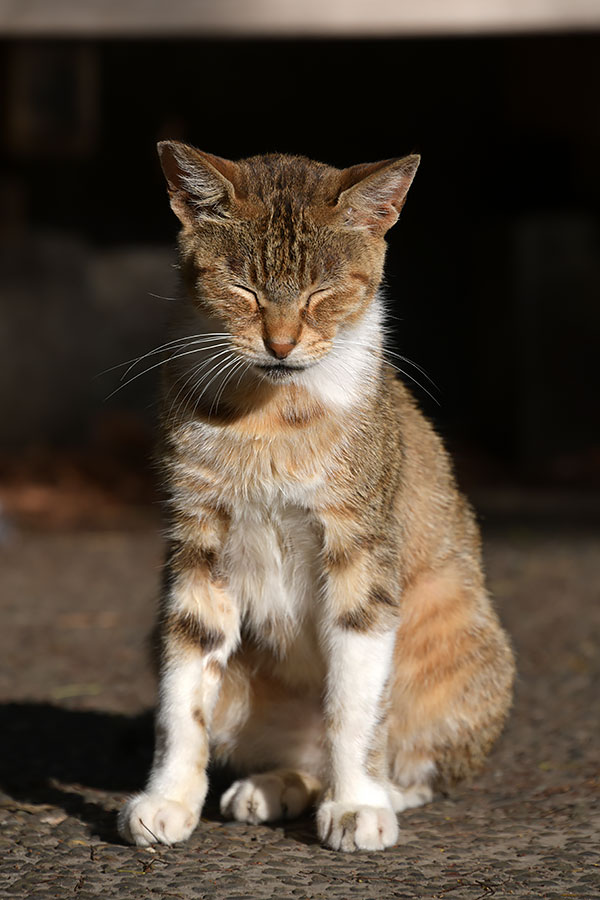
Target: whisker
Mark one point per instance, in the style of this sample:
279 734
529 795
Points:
129 362
155 366
206 386
413 363
385 350
418 383
248 364
199 344
165 346
195 372
160 297
190 340
219 393
199 381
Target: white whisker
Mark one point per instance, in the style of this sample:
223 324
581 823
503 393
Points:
219 393
156 365
248 364
206 386
384 351
177 344
412 363
194 374
413 379
165 346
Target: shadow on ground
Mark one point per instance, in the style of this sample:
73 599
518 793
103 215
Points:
52 754
47 748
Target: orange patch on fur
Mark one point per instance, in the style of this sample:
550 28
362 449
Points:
449 646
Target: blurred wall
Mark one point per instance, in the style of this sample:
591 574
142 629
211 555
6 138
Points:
493 271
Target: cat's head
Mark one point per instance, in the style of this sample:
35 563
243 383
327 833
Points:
283 254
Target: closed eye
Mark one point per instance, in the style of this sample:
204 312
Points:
247 292
316 294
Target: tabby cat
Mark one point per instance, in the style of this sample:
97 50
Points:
324 624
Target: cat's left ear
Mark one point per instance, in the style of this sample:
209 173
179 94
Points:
373 194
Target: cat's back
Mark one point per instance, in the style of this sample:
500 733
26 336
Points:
432 513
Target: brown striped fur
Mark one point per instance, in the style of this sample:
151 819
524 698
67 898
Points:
283 249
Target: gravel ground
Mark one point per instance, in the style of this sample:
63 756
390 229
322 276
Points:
77 690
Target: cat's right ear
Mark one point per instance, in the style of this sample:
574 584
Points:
201 186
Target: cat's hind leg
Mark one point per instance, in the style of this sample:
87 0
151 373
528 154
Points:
270 796
451 689
409 797
263 727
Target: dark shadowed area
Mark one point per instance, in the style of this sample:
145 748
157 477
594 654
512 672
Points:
493 282
493 272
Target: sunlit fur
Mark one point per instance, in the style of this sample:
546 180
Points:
324 624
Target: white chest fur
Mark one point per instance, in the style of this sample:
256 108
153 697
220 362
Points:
272 561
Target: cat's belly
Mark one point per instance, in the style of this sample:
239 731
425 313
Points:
272 565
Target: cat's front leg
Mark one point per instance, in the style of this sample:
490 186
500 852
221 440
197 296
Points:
199 629
358 634
356 813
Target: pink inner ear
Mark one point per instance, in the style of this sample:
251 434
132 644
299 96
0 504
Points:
390 193
227 168
354 174
201 186
377 191
180 160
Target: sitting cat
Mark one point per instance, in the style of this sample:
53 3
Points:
325 627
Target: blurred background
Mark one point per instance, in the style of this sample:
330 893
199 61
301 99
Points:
493 272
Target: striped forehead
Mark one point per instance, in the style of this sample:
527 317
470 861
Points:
286 248
284 257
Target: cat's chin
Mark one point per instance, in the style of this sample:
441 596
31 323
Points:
280 374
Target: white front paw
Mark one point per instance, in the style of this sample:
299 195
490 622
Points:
343 826
150 818
264 798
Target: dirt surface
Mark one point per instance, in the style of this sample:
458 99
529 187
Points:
77 690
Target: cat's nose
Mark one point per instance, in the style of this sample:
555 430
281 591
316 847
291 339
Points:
279 348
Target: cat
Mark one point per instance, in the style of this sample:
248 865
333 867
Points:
324 625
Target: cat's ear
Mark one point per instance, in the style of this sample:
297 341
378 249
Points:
373 194
201 186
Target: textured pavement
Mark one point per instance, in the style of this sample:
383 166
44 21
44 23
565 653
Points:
76 689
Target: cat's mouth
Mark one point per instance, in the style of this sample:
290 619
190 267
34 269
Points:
279 371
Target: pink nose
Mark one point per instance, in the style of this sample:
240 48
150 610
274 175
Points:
279 349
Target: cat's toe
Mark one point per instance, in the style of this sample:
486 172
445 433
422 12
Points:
262 798
150 818
345 827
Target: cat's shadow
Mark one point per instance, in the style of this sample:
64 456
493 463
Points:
49 752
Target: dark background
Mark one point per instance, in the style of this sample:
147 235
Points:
493 271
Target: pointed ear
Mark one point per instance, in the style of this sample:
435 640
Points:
201 186
373 194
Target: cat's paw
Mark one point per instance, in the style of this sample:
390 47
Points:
345 827
150 818
265 798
